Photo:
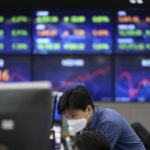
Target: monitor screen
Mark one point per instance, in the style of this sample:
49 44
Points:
72 31
15 32
132 80
15 69
132 31
24 115
93 72
57 117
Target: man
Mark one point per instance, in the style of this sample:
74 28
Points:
91 140
77 105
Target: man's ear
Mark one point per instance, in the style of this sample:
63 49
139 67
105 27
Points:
89 108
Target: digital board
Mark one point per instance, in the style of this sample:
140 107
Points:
15 69
132 78
133 32
72 31
95 73
15 33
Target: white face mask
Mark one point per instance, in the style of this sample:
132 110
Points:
72 132
77 124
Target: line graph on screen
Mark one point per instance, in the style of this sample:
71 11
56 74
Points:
131 90
81 78
17 76
6 77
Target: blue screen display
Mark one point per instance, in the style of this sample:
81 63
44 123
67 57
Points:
14 69
132 78
132 31
57 117
73 31
15 33
93 72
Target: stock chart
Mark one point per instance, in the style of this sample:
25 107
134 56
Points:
132 31
72 31
132 79
95 73
15 33
14 69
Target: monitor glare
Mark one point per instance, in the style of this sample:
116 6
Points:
24 115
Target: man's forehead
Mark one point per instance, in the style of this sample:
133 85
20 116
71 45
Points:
72 111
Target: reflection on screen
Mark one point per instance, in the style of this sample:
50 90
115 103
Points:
15 32
72 31
93 72
132 78
132 31
14 69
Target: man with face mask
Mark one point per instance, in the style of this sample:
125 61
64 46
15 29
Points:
77 106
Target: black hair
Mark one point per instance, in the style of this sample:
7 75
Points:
75 98
91 140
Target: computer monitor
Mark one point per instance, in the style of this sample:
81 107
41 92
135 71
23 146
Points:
25 115
57 121
57 117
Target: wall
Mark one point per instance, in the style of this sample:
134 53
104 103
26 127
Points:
132 112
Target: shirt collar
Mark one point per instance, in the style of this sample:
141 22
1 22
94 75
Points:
94 119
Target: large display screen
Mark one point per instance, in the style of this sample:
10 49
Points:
14 69
132 78
15 33
93 72
133 31
73 31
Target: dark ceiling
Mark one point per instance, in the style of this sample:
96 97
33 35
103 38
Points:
70 4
